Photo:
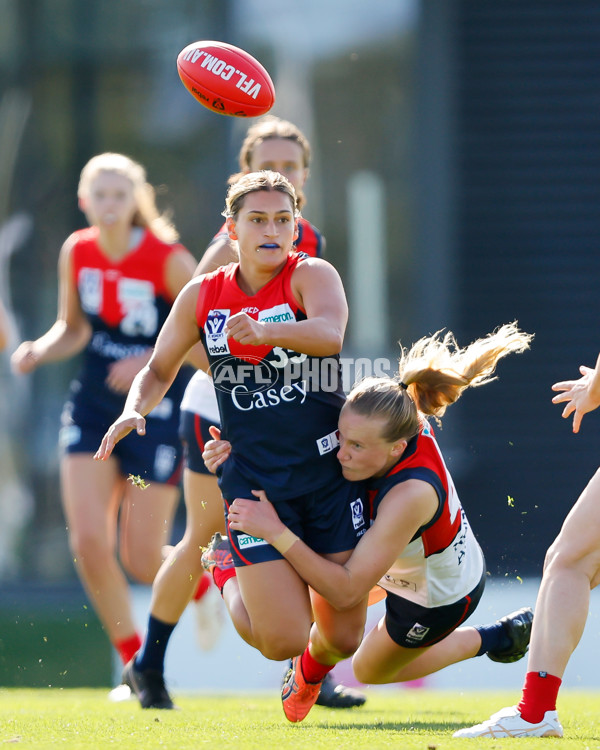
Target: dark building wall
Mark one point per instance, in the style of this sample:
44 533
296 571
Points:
526 158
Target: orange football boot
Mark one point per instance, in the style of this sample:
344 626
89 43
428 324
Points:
297 695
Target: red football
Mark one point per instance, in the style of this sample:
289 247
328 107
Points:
226 79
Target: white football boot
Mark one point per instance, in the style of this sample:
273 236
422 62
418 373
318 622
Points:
508 723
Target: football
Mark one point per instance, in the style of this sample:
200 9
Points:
226 79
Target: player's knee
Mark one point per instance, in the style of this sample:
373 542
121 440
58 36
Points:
278 648
141 564
563 557
89 546
345 645
363 671
342 643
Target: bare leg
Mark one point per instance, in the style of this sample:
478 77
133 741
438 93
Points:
179 574
380 660
570 572
146 523
336 634
91 492
270 608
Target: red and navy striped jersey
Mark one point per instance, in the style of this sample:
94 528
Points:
126 301
279 408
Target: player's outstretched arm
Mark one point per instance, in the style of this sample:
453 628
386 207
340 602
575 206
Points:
581 396
178 334
71 331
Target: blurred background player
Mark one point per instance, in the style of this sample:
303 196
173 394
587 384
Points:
571 570
117 281
419 548
277 145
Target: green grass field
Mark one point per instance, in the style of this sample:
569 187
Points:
402 719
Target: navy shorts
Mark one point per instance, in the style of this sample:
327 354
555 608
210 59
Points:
328 520
156 456
413 626
194 434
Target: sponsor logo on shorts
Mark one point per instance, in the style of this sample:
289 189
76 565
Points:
164 462
417 633
69 435
358 518
328 443
245 541
163 410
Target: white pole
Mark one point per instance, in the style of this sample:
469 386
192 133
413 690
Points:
367 263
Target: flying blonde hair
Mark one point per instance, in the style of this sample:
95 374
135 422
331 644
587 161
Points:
433 374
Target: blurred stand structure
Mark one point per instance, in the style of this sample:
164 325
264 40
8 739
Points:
470 128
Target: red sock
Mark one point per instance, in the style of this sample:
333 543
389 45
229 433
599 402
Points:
221 577
312 669
539 695
202 587
128 647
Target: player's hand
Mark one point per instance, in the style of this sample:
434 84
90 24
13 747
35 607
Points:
24 359
117 431
216 451
578 396
241 327
259 519
122 372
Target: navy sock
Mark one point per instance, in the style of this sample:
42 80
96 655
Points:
493 638
152 653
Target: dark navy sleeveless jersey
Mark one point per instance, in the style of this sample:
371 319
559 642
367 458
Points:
279 408
126 303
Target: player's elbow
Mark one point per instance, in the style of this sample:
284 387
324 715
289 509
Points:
337 342
345 600
332 343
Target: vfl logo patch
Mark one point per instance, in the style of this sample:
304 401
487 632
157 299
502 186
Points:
417 633
90 290
328 443
216 336
358 518
245 541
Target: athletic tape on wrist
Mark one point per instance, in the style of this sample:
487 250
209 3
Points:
284 541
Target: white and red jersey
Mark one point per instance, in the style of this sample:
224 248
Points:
443 561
